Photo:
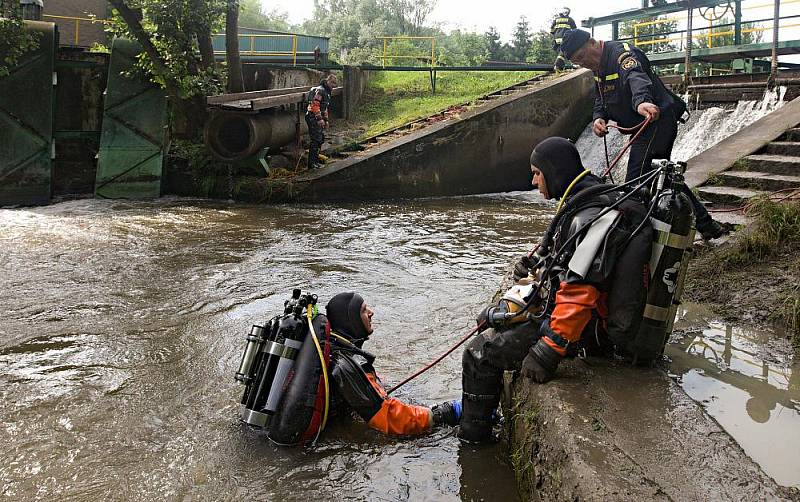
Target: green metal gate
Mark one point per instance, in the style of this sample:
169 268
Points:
134 136
26 123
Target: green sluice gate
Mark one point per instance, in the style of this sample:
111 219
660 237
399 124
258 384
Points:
134 136
26 122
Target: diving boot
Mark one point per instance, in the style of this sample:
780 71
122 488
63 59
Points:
711 230
478 417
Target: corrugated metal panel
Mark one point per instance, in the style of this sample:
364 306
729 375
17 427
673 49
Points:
132 145
26 123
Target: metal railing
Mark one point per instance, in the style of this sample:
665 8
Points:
386 56
252 50
78 21
708 32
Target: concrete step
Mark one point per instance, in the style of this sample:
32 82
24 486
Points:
727 195
777 164
791 135
788 148
731 217
759 181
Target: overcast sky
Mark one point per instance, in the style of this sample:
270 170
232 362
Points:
475 15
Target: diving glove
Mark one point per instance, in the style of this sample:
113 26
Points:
541 362
523 267
448 413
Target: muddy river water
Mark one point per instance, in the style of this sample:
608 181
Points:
122 326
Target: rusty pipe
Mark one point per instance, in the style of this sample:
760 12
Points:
232 137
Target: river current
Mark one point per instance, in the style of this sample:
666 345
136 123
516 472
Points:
123 324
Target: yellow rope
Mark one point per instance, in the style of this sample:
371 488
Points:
571 185
324 368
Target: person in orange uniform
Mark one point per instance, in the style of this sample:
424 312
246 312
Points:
317 117
578 317
356 384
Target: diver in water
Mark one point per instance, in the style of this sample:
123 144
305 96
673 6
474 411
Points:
356 384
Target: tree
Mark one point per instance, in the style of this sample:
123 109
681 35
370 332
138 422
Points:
15 41
252 15
521 41
232 56
649 34
493 43
541 50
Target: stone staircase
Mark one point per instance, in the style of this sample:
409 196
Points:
775 167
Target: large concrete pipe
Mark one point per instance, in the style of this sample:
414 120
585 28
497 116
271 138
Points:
236 136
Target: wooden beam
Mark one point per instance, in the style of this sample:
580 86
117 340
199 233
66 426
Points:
271 101
241 96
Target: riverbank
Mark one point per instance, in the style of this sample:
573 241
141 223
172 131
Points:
755 276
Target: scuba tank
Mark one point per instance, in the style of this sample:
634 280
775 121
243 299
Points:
672 221
268 366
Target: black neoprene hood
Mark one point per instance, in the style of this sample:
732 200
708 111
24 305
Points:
344 314
559 162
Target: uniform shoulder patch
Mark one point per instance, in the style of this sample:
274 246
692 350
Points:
629 63
623 55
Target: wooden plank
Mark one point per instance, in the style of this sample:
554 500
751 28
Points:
246 96
273 101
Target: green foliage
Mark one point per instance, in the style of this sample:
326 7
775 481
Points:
172 27
521 40
462 49
15 41
252 15
777 224
541 50
493 44
650 32
395 98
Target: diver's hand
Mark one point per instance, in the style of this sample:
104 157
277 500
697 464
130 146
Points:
448 413
599 128
541 362
522 268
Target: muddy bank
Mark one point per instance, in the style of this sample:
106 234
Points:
755 276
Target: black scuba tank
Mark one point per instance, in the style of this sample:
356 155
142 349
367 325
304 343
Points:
673 232
299 417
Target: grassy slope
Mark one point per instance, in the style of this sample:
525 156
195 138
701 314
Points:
395 98
757 276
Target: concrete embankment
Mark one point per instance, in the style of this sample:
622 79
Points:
485 149
603 430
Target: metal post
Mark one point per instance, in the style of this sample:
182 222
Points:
615 30
737 23
688 60
77 31
774 67
636 34
433 52
294 50
384 52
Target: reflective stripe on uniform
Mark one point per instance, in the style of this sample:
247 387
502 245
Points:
626 46
613 76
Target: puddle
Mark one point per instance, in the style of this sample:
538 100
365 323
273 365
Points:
749 381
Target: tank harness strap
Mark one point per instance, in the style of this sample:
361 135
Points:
480 397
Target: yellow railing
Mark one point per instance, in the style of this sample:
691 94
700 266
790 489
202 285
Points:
386 55
709 34
252 51
78 21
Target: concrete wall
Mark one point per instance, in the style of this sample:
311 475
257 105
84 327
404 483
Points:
355 82
258 77
88 33
486 150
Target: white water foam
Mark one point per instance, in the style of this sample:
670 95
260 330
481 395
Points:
704 129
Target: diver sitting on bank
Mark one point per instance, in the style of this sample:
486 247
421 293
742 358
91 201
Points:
606 273
304 365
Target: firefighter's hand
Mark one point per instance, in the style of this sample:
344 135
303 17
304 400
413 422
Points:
448 413
599 128
541 363
649 110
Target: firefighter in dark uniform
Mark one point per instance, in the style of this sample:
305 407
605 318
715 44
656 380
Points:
317 118
580 315
628 91
356 384
560 25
